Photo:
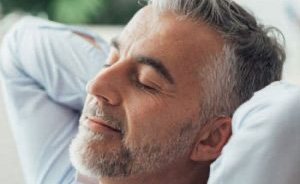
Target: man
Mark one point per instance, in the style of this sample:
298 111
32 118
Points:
159 112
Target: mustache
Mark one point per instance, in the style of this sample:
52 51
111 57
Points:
94 110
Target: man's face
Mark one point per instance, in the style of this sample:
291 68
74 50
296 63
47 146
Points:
142 112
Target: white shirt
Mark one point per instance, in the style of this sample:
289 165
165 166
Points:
44 69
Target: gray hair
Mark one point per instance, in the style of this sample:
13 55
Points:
252 56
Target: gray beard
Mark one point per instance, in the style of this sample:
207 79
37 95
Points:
89 159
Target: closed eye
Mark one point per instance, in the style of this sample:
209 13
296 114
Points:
137 83
142 86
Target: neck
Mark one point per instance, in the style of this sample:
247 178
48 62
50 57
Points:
172 175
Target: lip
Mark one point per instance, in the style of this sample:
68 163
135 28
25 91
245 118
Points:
99 125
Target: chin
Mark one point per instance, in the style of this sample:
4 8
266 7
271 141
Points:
82 152
91 156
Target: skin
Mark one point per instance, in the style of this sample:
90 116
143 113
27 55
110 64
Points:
153 114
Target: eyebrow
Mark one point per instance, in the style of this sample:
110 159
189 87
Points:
156 64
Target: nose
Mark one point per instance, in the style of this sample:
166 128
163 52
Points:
104 88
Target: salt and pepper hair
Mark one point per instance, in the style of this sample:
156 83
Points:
252 56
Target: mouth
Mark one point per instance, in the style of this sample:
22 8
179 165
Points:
99 125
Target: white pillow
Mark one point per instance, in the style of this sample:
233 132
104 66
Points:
265 144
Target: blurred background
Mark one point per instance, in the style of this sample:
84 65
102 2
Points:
107 18
75 11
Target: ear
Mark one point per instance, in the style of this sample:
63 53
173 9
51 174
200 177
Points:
211 140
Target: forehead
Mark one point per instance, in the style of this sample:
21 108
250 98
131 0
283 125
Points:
179 43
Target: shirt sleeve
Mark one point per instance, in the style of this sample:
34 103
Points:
265 144
44 69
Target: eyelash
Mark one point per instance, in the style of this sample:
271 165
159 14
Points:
137 83
144 87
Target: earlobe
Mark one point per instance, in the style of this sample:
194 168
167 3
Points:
212 139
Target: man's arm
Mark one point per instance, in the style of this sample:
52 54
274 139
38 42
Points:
265 144
44 68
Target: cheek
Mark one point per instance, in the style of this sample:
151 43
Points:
154 121
144 121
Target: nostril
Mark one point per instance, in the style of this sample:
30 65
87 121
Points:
105 100
103 91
